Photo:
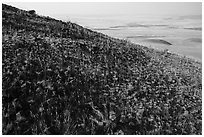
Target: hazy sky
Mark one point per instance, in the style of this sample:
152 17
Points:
135 8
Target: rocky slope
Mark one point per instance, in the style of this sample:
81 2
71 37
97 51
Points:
61 78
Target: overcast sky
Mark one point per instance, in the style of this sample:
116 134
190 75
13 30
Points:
123 8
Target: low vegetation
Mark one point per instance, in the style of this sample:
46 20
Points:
60 78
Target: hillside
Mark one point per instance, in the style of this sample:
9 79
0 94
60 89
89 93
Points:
61 78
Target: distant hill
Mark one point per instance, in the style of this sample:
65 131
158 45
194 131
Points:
61 78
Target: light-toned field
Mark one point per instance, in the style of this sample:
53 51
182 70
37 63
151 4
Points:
183 33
